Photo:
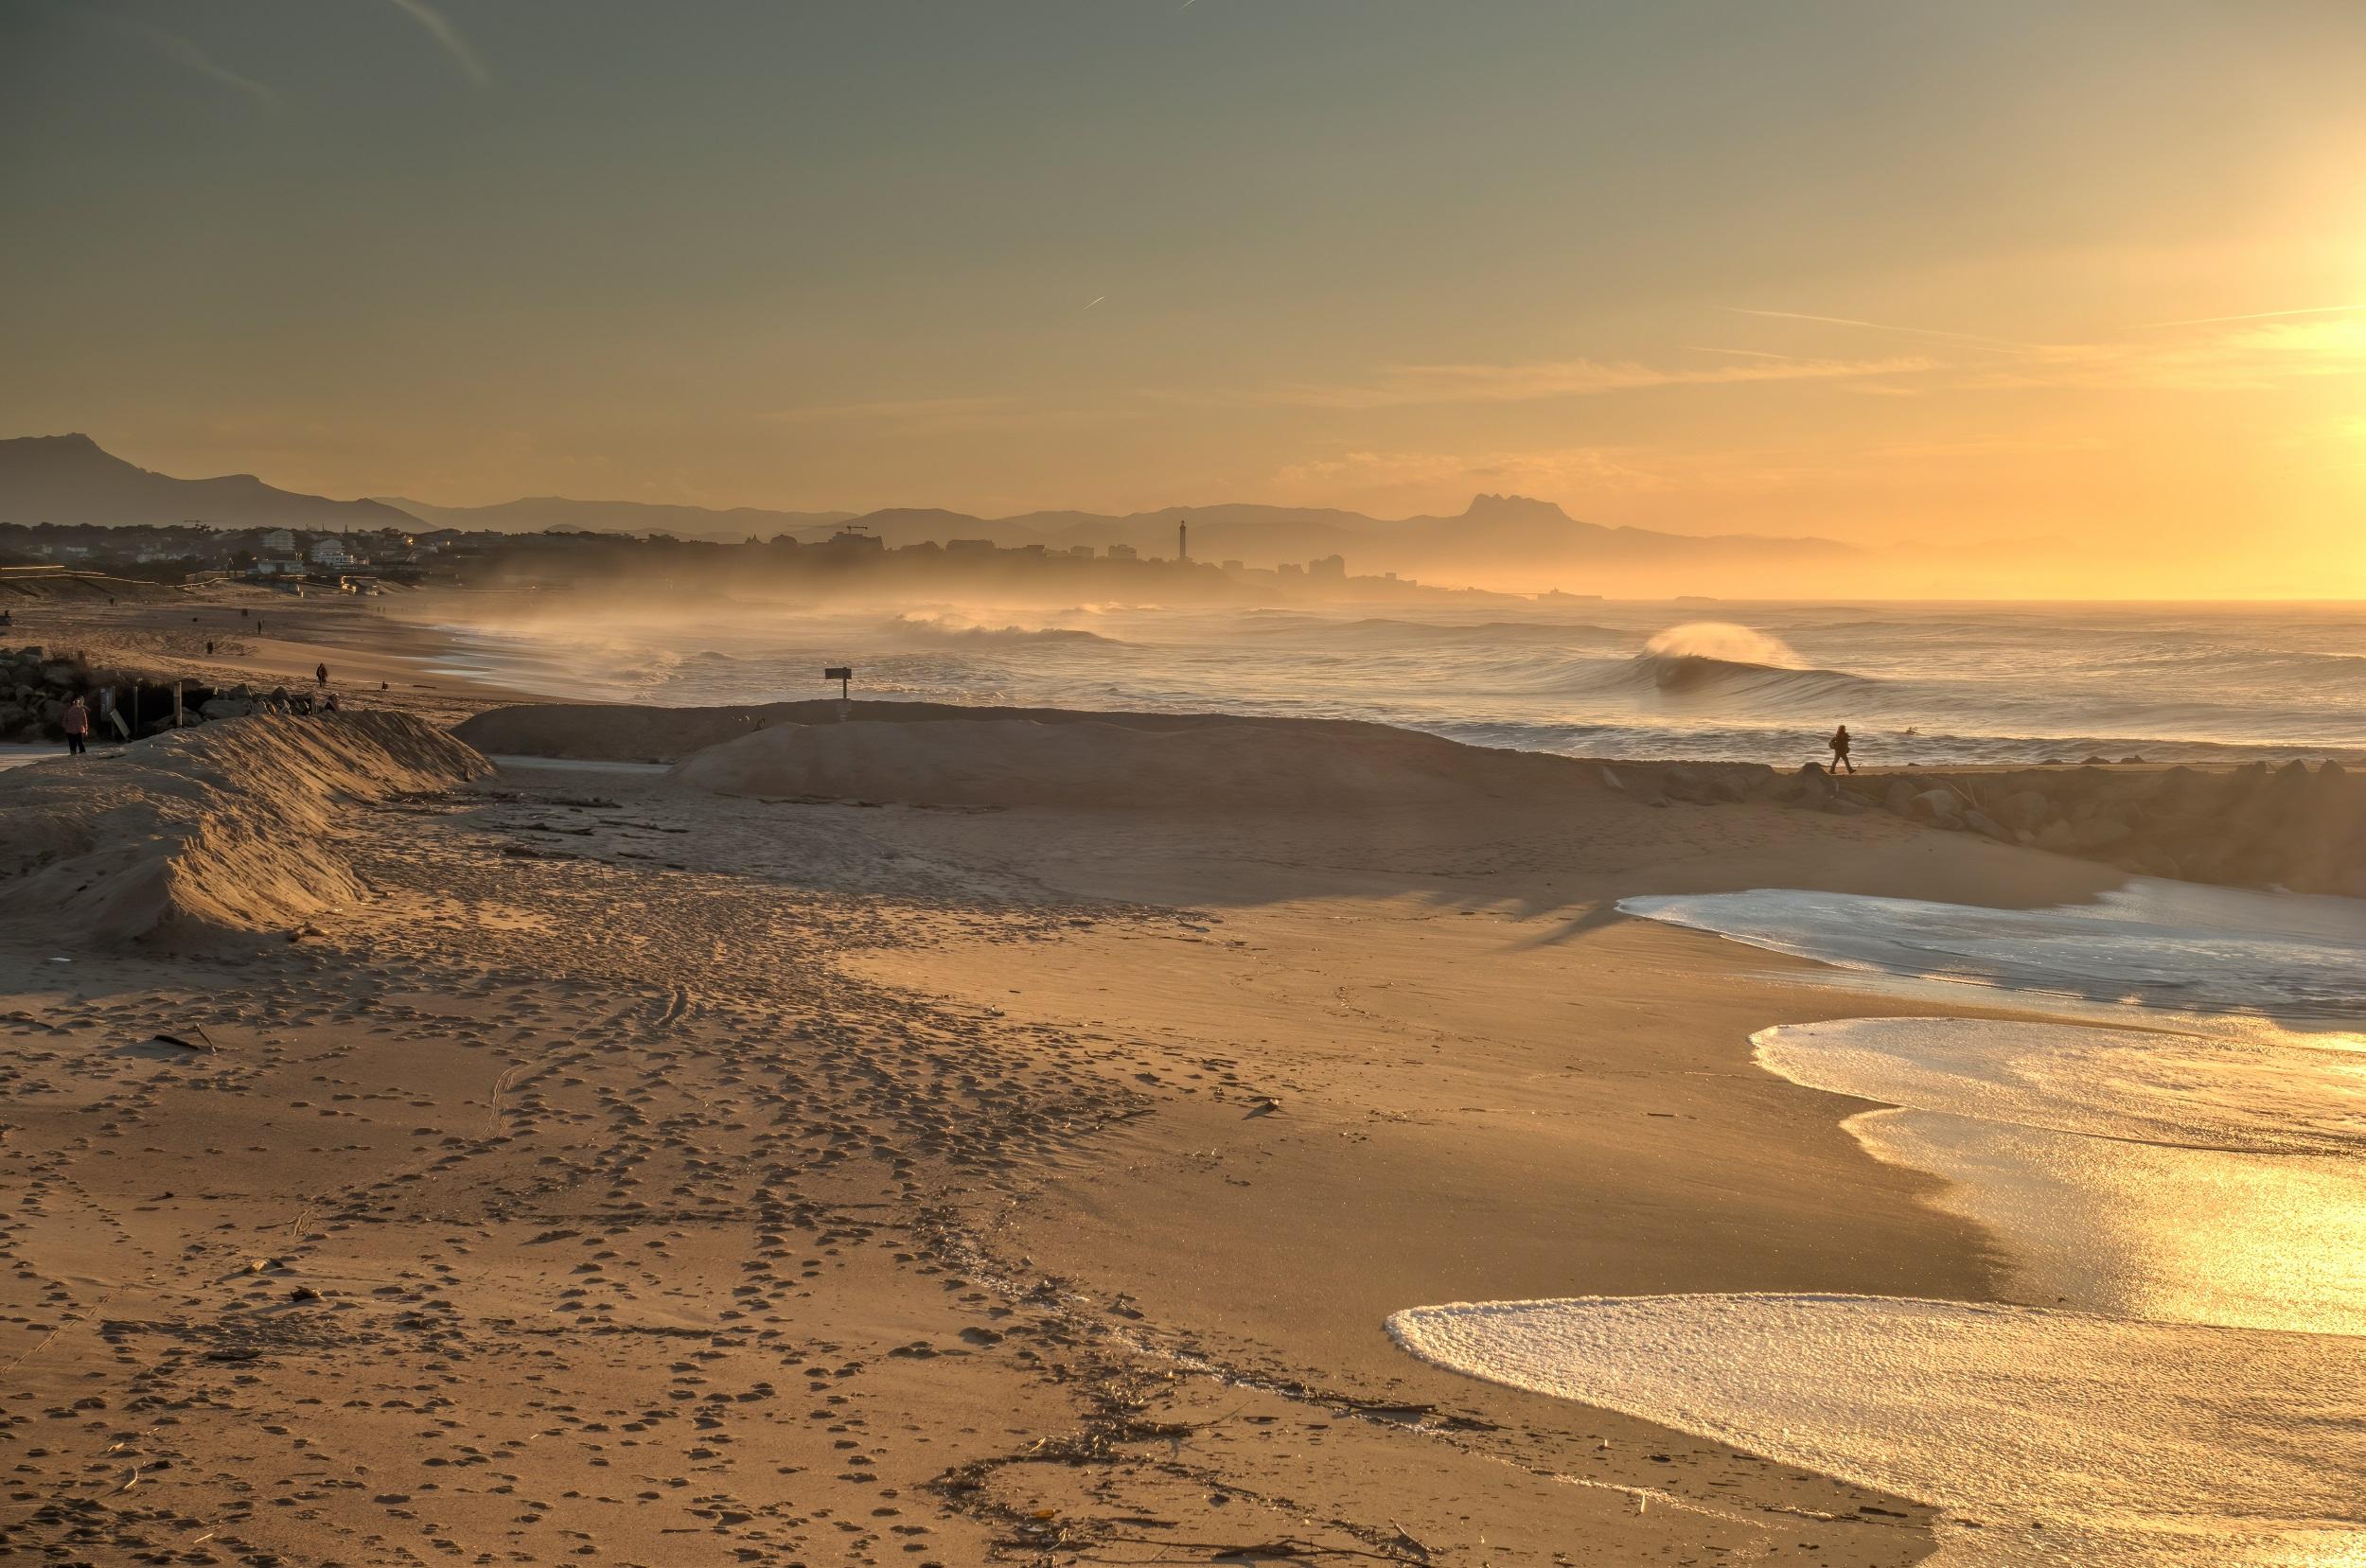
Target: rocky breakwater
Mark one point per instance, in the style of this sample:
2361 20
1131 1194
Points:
36 686
2293 827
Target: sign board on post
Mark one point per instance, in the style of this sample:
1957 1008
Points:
844 675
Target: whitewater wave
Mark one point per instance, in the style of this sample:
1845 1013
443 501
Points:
1723 642
1720 660
1486 633
948 628
1699 677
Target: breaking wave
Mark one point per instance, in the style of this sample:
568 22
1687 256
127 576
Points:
947 628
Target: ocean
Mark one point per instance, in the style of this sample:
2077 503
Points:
1759 683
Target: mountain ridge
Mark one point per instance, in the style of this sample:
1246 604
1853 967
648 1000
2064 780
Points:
71 479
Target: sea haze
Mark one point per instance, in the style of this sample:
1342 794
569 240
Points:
1761 683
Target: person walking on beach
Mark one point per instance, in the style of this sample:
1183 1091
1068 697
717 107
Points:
76 724
321 676
1839 743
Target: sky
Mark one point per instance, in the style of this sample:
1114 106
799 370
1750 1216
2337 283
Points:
2080 286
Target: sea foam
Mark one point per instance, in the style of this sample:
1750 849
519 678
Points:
2046 1437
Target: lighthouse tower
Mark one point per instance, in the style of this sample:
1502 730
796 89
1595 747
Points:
1182 541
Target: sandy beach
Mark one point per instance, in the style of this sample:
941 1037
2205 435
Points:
565 1161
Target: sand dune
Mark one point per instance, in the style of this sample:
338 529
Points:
1022 762
631 732
229 828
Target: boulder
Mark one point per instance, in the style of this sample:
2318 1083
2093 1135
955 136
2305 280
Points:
2100 832
225 707
1989 827
1939 807
1899 797
2058 838
1695 785
2026 808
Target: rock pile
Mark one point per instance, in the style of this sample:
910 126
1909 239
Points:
2293 827
36 686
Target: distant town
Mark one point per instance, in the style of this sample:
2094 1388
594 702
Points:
369 561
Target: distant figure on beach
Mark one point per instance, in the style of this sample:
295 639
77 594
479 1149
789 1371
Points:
209 648
1839 743
77 723
320 676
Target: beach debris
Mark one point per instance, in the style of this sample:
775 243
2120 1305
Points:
203 1042
1264 1104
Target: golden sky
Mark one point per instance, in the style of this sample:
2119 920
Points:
2080 289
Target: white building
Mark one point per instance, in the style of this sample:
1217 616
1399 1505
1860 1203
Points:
278 541
330 553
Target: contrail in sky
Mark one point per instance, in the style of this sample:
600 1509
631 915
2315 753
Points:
2263 315
440 28
1091 303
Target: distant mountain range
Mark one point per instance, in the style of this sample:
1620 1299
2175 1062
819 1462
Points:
70 479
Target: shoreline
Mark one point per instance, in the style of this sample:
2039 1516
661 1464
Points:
1066 1165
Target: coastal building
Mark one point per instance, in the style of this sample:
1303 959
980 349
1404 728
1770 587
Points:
330 555
1122 552
854 540
1081 552
969 547
1331 568
275 541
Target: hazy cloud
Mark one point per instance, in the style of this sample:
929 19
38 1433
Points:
188 52
440 28
909 416
1548 469
2263 315
2248 359
1400 386
887 409
1877 327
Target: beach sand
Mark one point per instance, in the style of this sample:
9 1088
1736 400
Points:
639 1174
